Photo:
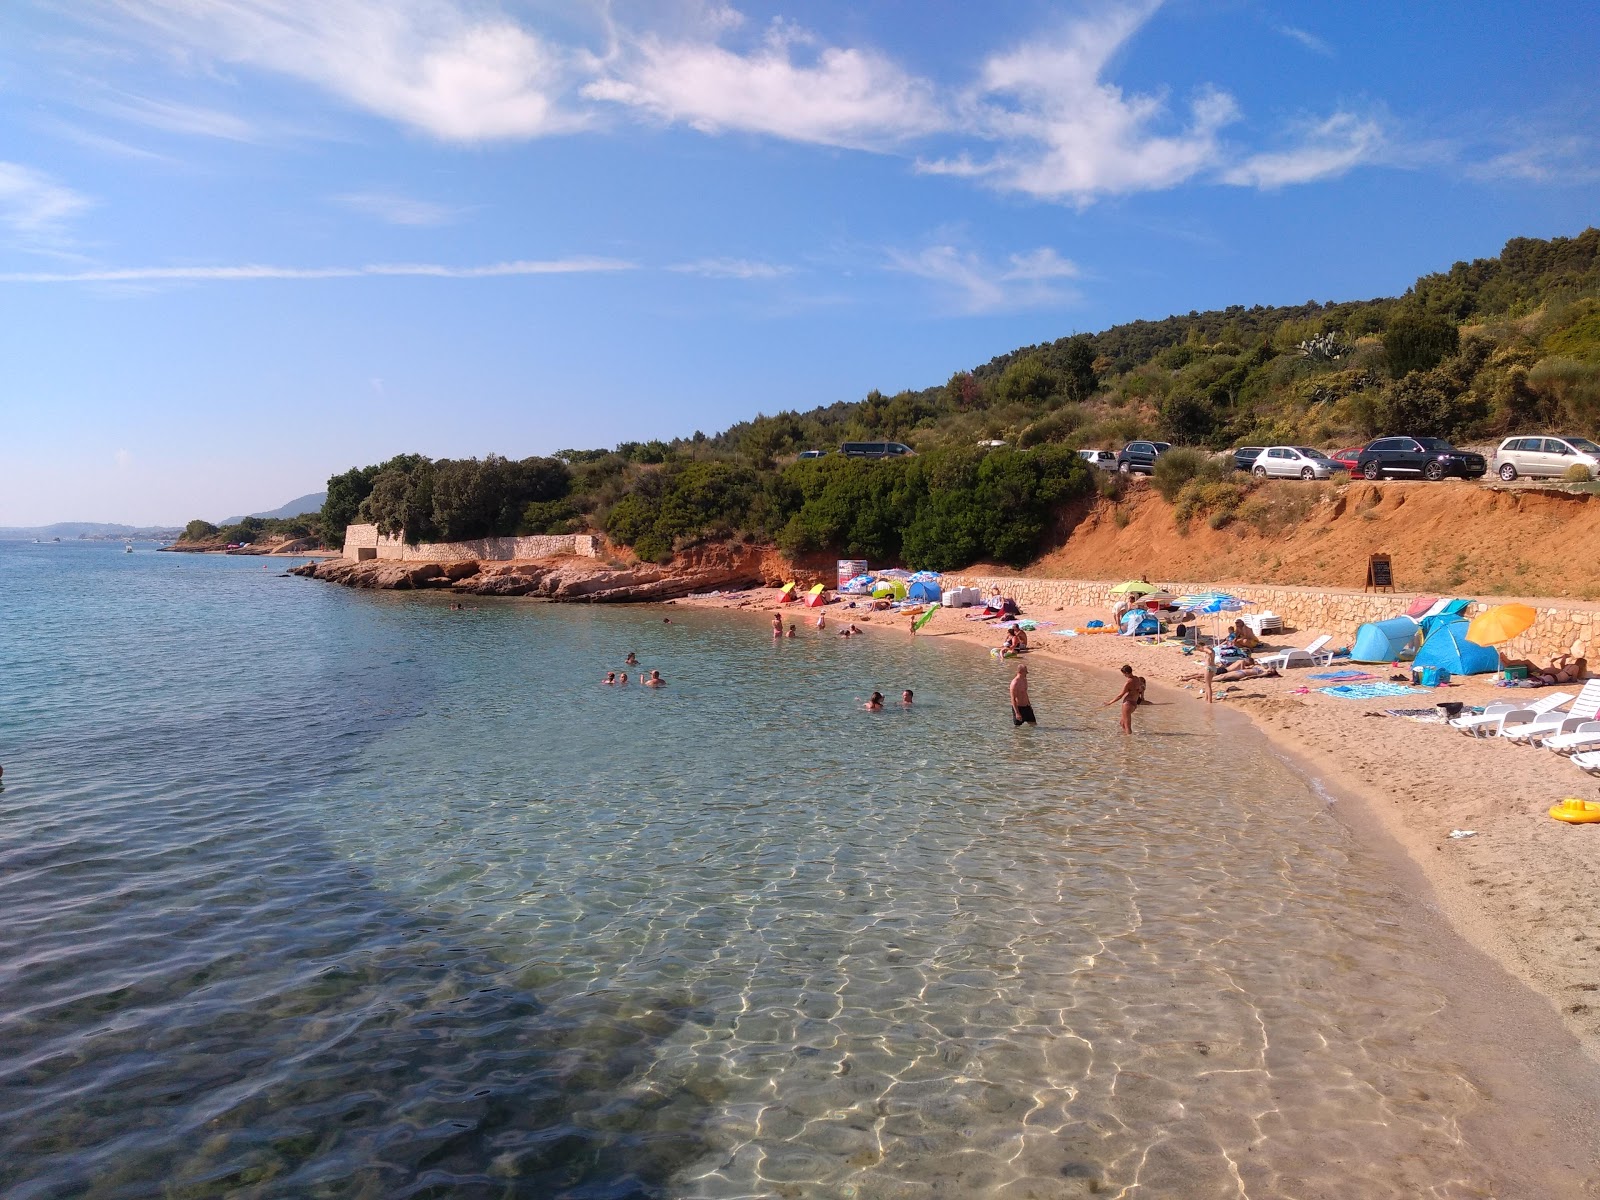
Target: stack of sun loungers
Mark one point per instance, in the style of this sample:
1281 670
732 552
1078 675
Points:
1574 730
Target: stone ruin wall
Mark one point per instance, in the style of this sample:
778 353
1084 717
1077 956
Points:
365 542
1564 627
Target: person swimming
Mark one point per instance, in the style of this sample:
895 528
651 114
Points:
905 698
623 678
654 680
632 660
610 679
874 702
791 632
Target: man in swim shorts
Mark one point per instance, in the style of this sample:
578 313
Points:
1021 709
1131 694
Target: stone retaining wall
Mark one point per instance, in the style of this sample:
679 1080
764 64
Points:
1563 627
365 542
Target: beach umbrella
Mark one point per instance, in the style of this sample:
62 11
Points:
1134 587
1500 624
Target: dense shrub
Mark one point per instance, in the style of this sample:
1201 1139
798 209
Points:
1181 464
1578 473
1219 498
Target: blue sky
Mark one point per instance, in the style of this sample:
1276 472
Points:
247 243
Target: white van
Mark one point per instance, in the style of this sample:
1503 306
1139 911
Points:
1546 457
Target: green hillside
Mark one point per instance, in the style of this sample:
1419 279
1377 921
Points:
1487 348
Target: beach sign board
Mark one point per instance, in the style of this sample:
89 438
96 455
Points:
849 568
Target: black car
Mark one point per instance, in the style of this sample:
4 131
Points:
1245 457
1141 457
1418 458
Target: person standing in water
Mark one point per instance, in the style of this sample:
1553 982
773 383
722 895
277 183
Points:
1131 695
655 680
1021 708
905 698
874 702
777 625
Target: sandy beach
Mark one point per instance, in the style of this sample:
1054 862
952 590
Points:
1519 890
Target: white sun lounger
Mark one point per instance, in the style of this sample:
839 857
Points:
1585 708
1313 655
1585 735
1491 718
1589 760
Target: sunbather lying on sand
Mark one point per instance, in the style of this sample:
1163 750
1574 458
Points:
1563 668
1246 673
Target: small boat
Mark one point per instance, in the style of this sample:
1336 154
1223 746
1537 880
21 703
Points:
127 547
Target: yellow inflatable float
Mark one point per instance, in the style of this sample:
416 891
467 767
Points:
1576 812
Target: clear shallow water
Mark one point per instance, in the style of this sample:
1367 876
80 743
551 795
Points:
312 892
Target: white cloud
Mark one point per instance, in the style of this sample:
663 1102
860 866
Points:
399 210
1539 159
1067 134
1328 148
970 285
249 271
34 208
788 87
1306 38
730 268
179 118
430 64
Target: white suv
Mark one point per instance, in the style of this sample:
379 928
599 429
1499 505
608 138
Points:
1547 456
1106 460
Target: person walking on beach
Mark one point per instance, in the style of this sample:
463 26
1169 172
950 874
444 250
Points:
1021 708
1131 694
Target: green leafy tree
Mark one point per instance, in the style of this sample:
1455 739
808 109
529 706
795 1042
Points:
1417 342
1079 380
198 531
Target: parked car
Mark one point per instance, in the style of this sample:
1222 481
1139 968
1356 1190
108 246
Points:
1245 457
1141 457
1106 460
875 449
1425 458
1347 458
813 453
1293 462
1544 456
991 444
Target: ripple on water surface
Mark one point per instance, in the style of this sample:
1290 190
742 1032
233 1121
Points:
312 892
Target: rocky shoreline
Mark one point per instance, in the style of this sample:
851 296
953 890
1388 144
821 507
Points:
570 579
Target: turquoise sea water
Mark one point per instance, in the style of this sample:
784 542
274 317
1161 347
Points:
316 892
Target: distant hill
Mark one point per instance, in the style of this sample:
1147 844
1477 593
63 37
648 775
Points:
86 529
309 503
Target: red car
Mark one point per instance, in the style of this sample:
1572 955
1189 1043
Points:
1347 458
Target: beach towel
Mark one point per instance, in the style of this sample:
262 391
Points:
1344 676
1367 691
1423 716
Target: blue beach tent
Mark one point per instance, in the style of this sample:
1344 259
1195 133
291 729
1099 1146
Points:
1384 641
924 590
1447 647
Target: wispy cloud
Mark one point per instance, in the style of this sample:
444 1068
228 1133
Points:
34 208
252 271
790 86
731 268
1542 159
456 74
1326 148
173 117
1306 38
970 285
399 210
1065 133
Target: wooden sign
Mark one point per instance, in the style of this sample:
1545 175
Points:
1380 576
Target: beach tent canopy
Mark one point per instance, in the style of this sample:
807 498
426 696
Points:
889 589
1447 646
1384 641
924 590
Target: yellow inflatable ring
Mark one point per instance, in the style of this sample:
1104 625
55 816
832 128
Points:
1576 812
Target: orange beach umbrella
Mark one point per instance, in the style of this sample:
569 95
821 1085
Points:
1500 624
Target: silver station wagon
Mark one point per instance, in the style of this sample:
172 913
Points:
1538 457
1293 462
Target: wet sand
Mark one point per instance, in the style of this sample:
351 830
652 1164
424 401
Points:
1511 914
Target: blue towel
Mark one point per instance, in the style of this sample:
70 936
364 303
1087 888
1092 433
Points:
1367 691
1344 675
